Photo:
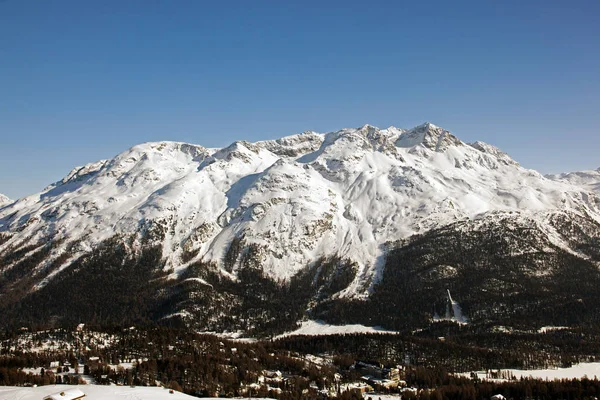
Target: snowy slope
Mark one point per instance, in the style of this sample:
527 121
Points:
577 371
589 180
295 199
320 328
4 200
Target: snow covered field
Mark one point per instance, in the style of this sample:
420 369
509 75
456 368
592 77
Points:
315 328
575 372
92 392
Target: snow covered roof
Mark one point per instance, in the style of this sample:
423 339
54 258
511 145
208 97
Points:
69 394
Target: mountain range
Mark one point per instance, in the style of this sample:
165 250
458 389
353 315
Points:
220 238
589 180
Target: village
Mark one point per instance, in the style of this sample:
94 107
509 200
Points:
133 358
67 364
374 380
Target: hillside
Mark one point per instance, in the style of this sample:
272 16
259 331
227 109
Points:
589 180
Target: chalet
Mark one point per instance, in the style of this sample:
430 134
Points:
69 394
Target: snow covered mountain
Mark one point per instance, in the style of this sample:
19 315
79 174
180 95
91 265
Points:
4 200
589 180
278 205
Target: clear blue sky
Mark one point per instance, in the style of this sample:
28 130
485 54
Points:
85 80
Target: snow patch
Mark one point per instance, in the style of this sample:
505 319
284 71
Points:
576 371
321 328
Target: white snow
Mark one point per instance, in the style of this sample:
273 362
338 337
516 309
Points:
298 198
4 200
453 312
577 371
589 180
320 328
92 392
545 329
66 394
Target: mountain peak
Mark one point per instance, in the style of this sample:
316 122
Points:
4 199
368 128
430 136
80 172
294 145
427 125
240 149
494 151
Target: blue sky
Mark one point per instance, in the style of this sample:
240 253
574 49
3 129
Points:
85 80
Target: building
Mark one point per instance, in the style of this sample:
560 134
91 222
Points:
377 370
359 388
